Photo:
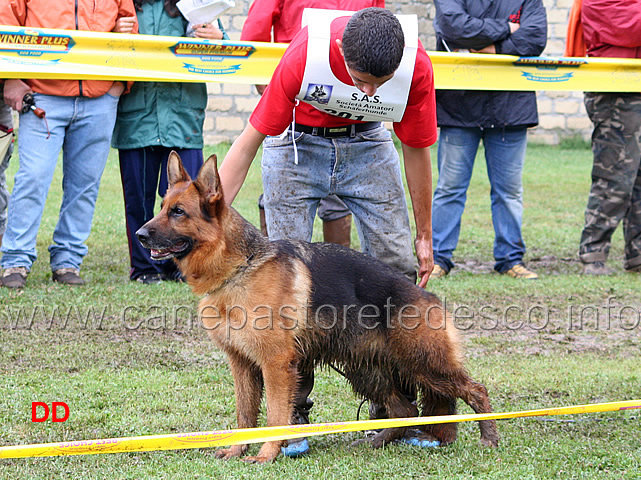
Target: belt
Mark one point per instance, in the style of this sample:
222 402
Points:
341 131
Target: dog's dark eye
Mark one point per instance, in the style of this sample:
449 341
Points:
177 212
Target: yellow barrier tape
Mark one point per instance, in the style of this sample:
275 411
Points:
179 441
71 54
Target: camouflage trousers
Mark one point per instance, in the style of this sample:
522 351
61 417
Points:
615 194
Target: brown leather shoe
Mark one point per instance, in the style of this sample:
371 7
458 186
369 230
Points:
14 277
438 272
519 271
68 276
596 268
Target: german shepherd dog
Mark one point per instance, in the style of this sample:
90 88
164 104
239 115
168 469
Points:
282 308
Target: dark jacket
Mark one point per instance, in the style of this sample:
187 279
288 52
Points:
465 24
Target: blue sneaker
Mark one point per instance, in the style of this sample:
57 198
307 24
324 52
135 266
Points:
417 442
417 438
295 448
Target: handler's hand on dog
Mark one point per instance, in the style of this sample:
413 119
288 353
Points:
208 30
425 257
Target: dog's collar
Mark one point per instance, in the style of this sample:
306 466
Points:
239 271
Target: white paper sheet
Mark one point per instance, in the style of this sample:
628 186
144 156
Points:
203 11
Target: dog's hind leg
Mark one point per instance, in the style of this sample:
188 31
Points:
475 395
459 385
433 404
397 406
248 386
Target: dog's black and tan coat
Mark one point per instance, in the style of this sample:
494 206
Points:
282 308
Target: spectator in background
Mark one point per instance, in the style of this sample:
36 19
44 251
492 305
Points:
612 28
80 116
280 20
154 119
499 119
6 148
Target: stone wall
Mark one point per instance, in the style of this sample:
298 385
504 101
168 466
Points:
561 114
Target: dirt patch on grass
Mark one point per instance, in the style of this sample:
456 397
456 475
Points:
545 265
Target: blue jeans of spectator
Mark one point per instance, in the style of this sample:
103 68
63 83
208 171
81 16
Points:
82 128
363 171
504 156
143 172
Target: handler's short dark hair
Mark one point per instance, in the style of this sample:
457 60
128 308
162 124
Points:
373 42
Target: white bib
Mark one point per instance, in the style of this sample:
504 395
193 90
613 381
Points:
322 90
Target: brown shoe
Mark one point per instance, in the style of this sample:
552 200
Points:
68 276
519 271
438 272
14 277
596 268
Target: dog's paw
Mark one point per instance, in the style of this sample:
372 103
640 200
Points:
376 441
445 433
233 452
268 453
359 442
490 442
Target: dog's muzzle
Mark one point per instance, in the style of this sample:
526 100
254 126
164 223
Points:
162 250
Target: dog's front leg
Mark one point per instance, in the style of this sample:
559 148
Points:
248 386
280 375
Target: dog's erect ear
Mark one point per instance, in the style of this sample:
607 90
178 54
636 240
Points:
176 173
208 183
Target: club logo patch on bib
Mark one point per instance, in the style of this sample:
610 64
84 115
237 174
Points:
318 93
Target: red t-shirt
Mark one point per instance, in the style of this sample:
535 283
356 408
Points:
612 29
284 16
274 112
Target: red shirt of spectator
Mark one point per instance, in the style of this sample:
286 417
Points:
284 16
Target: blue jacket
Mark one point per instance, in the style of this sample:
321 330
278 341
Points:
168 114
465 24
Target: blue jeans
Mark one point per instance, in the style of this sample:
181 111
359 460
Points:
363 171
504 155
82 127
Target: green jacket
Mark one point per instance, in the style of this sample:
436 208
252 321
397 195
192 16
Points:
168 114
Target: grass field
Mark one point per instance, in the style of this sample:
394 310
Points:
132 360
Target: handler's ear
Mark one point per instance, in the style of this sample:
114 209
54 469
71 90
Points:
176 173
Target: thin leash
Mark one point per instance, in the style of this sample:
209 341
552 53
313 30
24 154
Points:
358 412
